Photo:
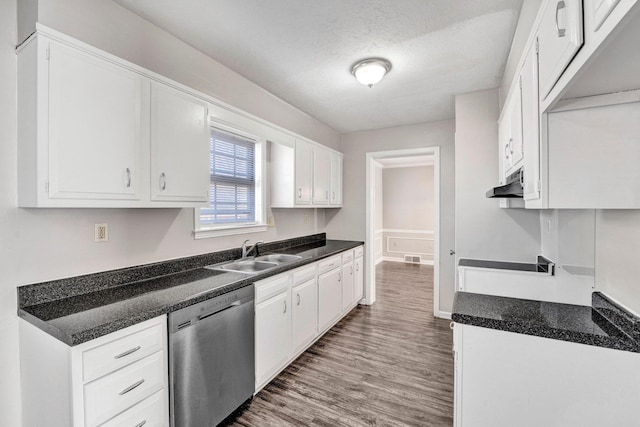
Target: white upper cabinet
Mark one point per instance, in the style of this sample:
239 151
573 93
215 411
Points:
94 130
98 131
321 175
335 198
510 135
560 36
303 173
530 126
179 146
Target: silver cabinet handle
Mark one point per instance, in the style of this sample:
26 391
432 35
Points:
299 193
333 195
326 194
126 353
339 277
451 325
506 151
285 306
522 177
357 267
131 387
163 181
559 6
128 171
298 299
510 145
143 422
351 269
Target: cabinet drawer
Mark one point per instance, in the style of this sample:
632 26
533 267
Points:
122 389
303 274
151 412
359 251
120 352
329 264
347 256
268 288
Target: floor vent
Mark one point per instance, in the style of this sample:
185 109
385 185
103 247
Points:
413 259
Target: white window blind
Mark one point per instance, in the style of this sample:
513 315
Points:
233 180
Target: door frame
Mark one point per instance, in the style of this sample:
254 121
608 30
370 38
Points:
371 159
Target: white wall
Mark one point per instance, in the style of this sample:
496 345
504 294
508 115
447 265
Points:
483 229
349 222
46 244
408 198
378 214
10 258
617 256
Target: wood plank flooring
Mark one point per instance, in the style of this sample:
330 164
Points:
389 364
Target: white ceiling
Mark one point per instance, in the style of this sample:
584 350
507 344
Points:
302 51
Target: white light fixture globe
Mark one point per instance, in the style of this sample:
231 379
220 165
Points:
370 71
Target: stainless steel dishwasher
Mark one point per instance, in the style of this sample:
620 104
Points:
211 358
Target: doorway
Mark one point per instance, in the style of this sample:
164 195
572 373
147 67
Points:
399 158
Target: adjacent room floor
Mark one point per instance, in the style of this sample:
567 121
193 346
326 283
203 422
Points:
389 364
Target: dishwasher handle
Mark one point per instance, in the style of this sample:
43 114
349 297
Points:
219 310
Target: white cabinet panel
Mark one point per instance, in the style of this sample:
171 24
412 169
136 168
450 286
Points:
94 129
303 173
347 285
329 298
273 335
600 11
560 36
505 379
179 146
358 279
321 175
336 179
516 149
148 413
305 313
530 125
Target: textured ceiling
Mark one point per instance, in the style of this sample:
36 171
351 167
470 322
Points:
302 51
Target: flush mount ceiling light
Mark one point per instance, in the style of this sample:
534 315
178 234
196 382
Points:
370 71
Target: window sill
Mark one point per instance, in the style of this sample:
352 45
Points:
228 231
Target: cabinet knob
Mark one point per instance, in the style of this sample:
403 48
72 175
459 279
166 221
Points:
559 6
285 306
298 299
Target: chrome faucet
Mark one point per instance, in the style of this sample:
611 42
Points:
246 251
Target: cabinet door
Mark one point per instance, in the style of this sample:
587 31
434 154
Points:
515 114
347 285
336 179
358 279
560 37
321 175
329 298
303 173
94 127
179 146
273 335
504 138
531 125
304 302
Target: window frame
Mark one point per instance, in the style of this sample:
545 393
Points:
260 225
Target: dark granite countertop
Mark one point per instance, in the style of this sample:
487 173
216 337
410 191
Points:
541 266
604 324
83 308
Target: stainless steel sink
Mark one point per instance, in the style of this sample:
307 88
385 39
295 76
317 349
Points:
279 258
255 265
245 266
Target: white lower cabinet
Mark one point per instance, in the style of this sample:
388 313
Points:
504 379
329 297
347 285
118 379
358 279
272 326
305 313
295 308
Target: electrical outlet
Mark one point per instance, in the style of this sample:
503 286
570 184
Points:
306 218
102 232
271 222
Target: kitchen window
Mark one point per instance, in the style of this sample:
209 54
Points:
236 196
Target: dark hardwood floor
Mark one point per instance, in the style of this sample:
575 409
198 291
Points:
389 364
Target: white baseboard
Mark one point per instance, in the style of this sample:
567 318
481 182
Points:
379 260
393 259
443 315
